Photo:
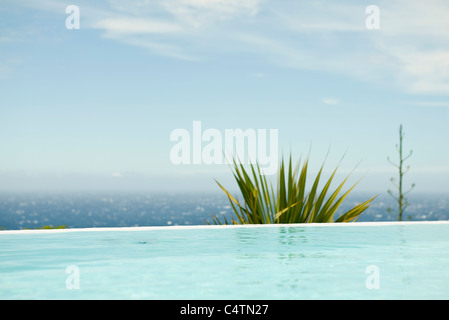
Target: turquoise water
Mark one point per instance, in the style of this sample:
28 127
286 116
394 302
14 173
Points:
364 261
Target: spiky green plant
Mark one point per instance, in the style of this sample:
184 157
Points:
290 203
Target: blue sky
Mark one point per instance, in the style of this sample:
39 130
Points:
94 108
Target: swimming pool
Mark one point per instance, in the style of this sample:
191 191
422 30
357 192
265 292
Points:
326 261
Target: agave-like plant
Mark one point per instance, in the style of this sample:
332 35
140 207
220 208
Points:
290 203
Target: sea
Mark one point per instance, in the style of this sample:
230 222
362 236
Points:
31 210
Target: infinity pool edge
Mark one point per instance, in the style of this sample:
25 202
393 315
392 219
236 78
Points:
184 227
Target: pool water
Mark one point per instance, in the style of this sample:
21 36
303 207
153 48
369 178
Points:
325 261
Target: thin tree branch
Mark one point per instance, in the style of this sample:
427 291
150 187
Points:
409 155
388 159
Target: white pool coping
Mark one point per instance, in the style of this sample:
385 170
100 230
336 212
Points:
186 227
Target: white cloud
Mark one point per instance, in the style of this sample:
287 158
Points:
424 71
310 16
164 49
409 51
414 45
331 101
200 12
436 104
128 25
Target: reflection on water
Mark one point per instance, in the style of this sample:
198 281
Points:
293 239
292 236
283 243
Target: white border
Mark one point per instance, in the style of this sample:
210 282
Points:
186 227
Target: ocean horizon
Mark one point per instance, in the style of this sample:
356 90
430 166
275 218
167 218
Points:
30 210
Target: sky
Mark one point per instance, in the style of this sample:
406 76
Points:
93 107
